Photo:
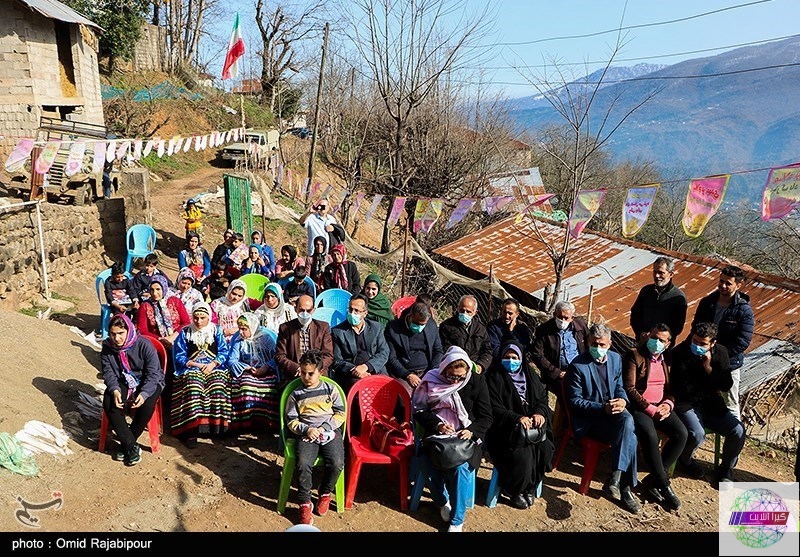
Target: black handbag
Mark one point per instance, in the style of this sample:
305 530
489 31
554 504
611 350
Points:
521 437
448 451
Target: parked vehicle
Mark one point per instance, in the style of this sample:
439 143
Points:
257 145
302 133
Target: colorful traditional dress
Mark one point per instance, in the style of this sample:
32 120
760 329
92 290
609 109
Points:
271 318
191 295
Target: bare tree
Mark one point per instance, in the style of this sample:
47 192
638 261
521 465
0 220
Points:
185 23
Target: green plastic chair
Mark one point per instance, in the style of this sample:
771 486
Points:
289 456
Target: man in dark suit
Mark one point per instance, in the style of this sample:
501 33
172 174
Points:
300 335
359 347
660 302
414 345
598 409
557 342
465 330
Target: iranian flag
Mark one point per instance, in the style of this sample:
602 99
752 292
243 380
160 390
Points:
235 51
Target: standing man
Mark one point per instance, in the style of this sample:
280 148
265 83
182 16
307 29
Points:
598 406
318 222
414 345
298 336
557 342
729 309
465 331
660 302
508 327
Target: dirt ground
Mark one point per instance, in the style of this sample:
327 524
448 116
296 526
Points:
231 486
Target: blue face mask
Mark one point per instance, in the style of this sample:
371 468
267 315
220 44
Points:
464 318
698 350
511 365
655 346
598 353
353 318
415 328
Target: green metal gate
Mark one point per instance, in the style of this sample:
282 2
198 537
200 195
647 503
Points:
237 204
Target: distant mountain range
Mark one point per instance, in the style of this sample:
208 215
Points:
735 118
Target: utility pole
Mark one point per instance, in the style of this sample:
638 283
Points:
315 129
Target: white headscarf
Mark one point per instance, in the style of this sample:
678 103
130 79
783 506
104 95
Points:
237 283
436 394
206 335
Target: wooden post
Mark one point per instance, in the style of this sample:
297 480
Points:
489 305
315 129
405 255
591 303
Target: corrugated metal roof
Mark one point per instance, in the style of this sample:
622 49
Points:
56 10
617 269
768 361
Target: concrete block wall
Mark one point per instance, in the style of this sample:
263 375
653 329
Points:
150 51
87 78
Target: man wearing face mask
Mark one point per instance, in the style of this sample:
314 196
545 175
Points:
701 372
598 407
465 330
557 342
359 347
414 345
646 377
298 336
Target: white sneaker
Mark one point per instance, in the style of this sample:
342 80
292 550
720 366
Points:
445 511
456 528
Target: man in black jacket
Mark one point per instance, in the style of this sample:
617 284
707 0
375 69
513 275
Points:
414 346
509 327
557 342
465 331
660 302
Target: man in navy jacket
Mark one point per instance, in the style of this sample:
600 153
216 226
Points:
414 345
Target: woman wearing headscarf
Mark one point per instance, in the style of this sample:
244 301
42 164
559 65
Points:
195 257
518 397
254 377
341 273
451 400
134 381
274 310
379 308
162 315
255 262
227 309
188 293
285 266
317 262
269 254
201 398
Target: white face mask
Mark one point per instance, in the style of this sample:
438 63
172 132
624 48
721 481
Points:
304 317
562 324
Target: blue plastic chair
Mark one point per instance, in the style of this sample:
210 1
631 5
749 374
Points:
336 298
105 309
494 490
141 240
285 281
329 315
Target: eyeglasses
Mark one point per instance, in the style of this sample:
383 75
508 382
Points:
455 378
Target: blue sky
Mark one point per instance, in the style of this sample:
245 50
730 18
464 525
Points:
526 31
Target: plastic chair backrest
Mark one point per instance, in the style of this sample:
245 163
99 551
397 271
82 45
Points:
272 334
141 239
255 284
285 281
336 298
329 315
403 303
291 386
160 350
379 394
100 284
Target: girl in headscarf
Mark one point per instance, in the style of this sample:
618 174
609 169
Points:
255 378
187 292
201 398
227 309
518 397
134 381
451 400
285 266
341 273
318 261
195 257
274 310
266 250
255 263
162 315
379 308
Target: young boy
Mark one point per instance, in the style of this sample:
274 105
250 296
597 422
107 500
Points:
239 252
297 286
315 414
120 293
215 285
141 281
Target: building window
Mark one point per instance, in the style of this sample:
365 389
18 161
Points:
65 64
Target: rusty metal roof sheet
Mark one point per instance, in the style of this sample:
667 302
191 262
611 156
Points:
617 269
56 10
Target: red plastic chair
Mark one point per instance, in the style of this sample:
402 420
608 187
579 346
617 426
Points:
155 427
376 393
402 304
590 450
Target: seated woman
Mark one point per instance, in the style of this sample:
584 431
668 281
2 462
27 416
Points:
451 400
341 273
379 308
519 399
201 397
255 393
188 293
274 310
227 309
269 254
315 265
134 381
285 266
195 257
162 315
255 262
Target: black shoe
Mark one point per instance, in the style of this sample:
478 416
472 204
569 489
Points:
133 456
518 502
724 479
671 501
612 489
652 489
190 442
528 498
630 502
692 469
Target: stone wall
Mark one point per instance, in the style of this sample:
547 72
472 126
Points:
150 51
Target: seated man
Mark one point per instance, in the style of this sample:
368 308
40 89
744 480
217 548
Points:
598 406
414 345
359 347
508 327
701 371
557 342
465 330
299 335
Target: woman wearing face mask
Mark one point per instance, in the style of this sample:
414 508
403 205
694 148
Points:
519 399
645 376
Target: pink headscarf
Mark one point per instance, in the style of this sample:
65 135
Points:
437 394
122 351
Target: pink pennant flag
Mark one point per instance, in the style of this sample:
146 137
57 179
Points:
583 209
148 147
47 156
636 208
75 158
99 159
537 201
419 211
137 149
357 203
305 190
781 192
431 215
111 150
703 200
494 205
461 210
397 208
19 155
376 201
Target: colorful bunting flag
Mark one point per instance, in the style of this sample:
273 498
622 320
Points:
137 149
187 144
375 202
99 159
431 215
160 149
75 158
419 211
357 204
536 200
198 142
148 147
19 155
636 208
461 210
583 209
123 148
781 192
397 208
496 204
111 151
703 200
47 157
